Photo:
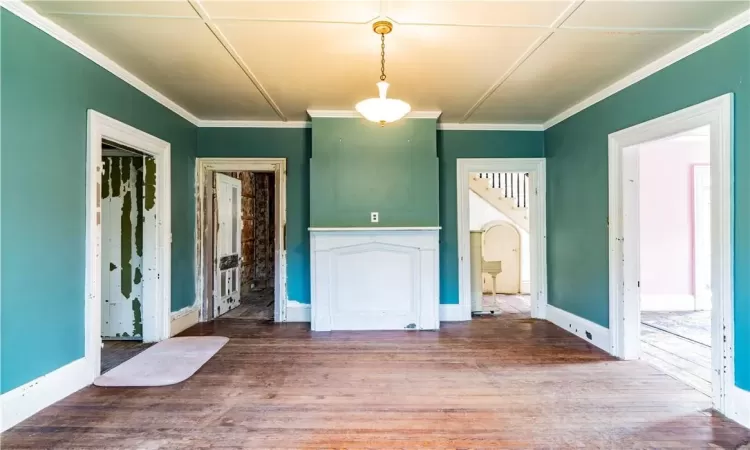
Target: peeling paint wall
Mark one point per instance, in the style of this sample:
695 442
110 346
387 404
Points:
127 184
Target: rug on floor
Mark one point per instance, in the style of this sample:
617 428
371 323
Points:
168 362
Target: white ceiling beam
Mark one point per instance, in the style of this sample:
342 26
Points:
525 56
730 26
224 41
517 26
72 41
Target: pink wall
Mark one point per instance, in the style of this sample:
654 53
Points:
666 213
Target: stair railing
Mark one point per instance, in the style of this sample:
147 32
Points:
513 185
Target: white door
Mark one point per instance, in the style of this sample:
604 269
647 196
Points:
702 236
228 251
502 242
122 246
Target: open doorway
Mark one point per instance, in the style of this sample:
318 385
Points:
501 237
128 242
500 244
242 254
248 222
675 252
671 274
126 175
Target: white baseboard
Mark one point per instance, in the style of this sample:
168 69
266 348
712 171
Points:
25 401
674 302
585 329
738 405
452 313
297 312
300 312
525 287
184 319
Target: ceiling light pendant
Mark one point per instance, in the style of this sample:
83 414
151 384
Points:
381 109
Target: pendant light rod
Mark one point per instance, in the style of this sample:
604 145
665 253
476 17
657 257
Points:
382 109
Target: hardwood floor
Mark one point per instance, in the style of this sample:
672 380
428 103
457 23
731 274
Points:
502 381
683 359
115 353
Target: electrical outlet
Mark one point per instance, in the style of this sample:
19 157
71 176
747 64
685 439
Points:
374 217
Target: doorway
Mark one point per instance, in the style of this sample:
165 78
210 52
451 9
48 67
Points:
674 243
501 237
242 250
125 175
659 309
500 242
128 242
249 225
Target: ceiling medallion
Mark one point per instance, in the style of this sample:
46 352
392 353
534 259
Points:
381 109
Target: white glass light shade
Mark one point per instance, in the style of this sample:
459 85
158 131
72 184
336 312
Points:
383 110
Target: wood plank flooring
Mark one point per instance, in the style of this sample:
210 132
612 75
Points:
496 382
115 353
683 359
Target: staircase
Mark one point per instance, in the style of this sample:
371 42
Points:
508 192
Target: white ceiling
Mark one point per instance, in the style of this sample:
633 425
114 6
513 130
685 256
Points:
476 61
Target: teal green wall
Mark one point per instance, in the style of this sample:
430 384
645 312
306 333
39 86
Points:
577 180
359 167
47 89
470 144
294 145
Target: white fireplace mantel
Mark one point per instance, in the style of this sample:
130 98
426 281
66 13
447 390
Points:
374 278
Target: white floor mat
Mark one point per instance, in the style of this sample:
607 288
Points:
168 362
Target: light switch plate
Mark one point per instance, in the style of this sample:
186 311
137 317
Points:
374 217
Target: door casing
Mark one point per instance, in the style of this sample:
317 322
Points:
205 167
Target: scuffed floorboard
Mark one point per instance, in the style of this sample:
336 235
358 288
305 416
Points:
496 382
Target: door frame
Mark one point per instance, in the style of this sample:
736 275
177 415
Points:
536 167
204 168
157 305
624 290
698 170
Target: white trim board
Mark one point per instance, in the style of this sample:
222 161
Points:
302 124
585 329
204 168
723 30
352 114
184 319
373 229
490 126
31 16
252 124
297 311
26 400
536 167
624 245
451 312
157 248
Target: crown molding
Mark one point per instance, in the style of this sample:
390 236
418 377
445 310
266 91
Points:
351 114
725 29
490 127
31 16
252 124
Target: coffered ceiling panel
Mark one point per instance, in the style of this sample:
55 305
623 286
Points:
655 14
136 7
569 67
482 13
360 11
479 61
314 66
179 58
